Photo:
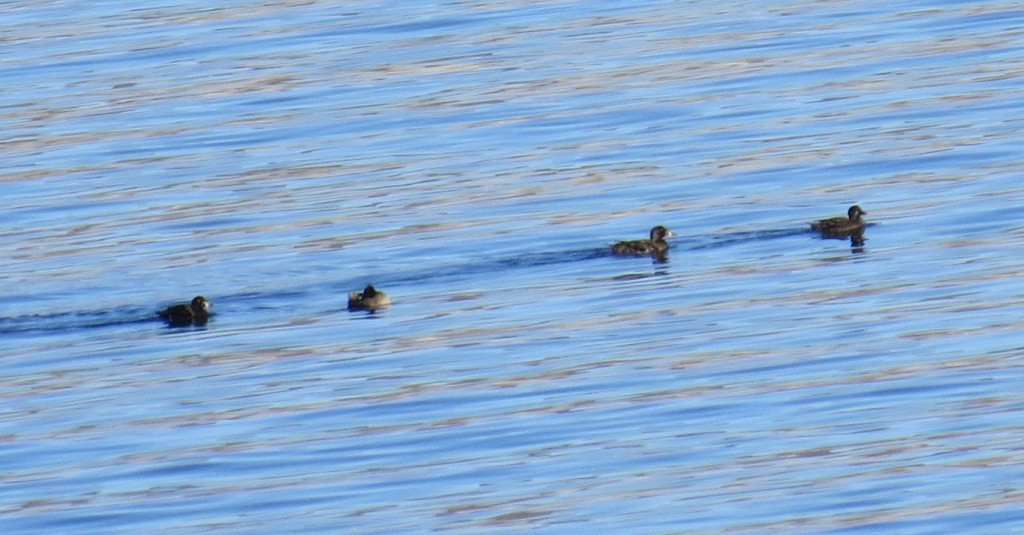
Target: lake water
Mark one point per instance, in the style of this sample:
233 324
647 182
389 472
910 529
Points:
475 160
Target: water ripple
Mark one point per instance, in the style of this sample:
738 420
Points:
475 160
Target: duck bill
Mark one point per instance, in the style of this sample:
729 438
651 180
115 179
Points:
670 234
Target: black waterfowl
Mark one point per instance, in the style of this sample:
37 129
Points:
654 246
195 313
369 299
842 226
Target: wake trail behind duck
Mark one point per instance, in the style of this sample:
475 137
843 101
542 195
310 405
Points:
738 238
67 321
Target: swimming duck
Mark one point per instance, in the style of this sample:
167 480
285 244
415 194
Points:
195 313
654 246
369 299
841 226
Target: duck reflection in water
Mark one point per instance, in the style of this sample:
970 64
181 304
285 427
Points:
857 240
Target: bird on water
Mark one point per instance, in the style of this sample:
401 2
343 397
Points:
195 313
656 245
368 299
841 226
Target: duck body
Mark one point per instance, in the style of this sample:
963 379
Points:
656 245
842 226
368 299
196 312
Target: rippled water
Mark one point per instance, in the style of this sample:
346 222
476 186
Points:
475 160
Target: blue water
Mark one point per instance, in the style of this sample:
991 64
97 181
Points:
475 160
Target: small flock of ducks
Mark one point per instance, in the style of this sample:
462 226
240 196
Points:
197 312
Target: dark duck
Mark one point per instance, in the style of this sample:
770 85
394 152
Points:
654 246
368 299
195 313
842 227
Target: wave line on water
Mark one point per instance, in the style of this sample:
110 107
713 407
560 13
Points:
41 323
749 236
30 323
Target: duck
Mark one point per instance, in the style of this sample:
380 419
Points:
196 312
654 246
841 226
369 299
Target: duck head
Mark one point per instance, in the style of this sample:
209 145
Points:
659 233
855 212
200 304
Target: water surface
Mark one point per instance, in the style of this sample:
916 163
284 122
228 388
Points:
475 160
